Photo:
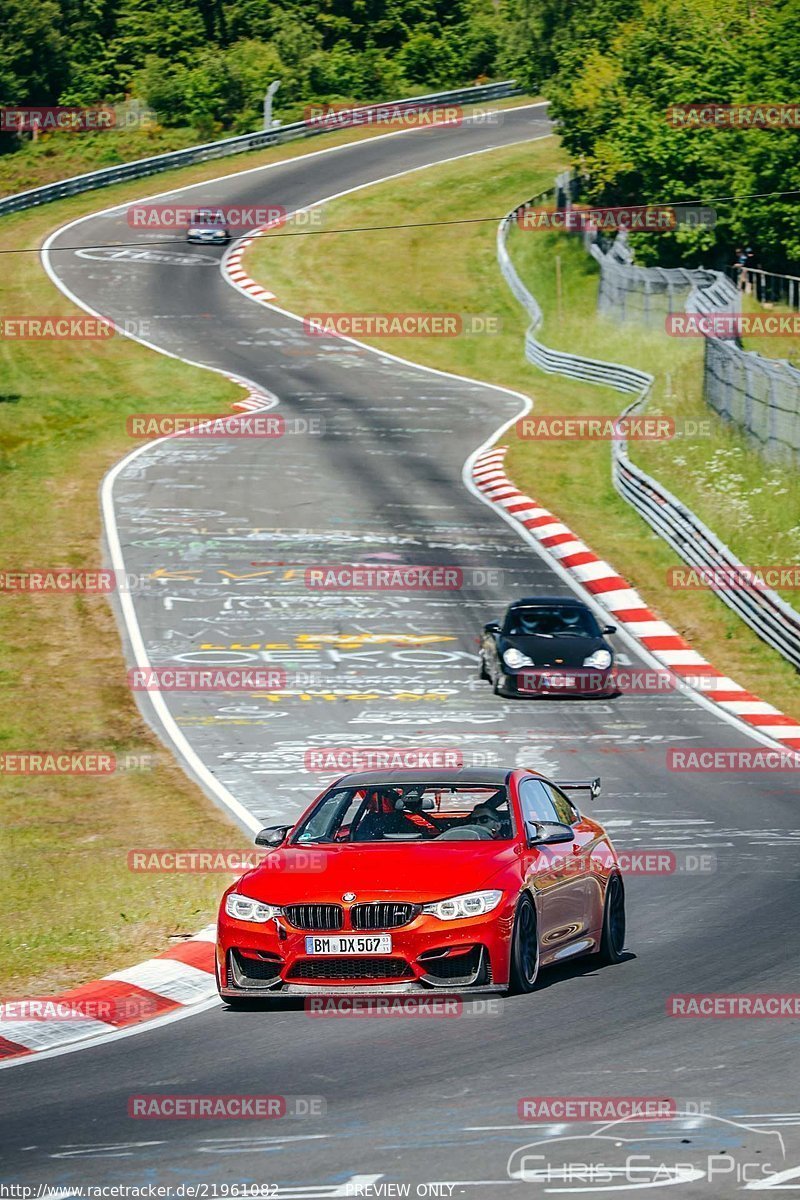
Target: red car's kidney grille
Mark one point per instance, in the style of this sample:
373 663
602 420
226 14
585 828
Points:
383 916
349 969
314 916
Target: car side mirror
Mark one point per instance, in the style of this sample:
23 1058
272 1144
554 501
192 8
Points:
273 835
609 629
548 833
492 627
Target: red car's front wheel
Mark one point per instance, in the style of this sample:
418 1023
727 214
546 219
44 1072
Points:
524 949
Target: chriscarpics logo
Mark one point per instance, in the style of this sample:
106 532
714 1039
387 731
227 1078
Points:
682 1148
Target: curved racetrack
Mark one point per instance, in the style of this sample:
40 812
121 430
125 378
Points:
408 1101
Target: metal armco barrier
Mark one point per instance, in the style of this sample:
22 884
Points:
775 621
558 362
239 145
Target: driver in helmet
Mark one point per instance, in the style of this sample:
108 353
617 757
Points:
388 810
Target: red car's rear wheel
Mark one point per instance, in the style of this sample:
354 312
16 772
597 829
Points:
613 936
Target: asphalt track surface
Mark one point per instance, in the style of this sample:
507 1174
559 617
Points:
408 1101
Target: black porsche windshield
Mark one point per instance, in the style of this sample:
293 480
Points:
409 813
554 621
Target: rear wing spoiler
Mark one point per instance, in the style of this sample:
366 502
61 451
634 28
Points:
592 786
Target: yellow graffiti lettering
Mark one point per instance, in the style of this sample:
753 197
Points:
288 574
356 640
163 573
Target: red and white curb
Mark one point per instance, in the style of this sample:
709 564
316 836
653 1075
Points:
626 605
180 977
232 267
255 400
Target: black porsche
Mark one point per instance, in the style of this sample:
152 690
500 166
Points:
548 646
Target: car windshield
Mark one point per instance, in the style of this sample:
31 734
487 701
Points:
409 813
552 621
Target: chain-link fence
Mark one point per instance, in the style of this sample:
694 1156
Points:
647 295
759 395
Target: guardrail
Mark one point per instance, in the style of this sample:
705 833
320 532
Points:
759 395
559 362
241 144
775 621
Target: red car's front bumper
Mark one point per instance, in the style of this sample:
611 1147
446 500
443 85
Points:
427 954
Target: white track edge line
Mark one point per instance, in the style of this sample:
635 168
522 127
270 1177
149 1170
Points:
189 1010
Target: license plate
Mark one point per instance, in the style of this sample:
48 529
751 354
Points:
379 943
568 681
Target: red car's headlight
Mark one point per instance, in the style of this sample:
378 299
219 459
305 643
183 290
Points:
242 908
472 904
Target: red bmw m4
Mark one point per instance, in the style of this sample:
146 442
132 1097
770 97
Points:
408 881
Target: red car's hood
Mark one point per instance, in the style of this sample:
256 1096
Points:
411 872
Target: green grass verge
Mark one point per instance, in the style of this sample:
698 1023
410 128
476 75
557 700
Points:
440 268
